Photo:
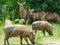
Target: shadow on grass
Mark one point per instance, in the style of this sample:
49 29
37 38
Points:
26 44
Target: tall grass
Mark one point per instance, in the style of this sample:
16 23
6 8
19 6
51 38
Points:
56 30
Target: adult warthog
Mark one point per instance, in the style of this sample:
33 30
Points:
15 30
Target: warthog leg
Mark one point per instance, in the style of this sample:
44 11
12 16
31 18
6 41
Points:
26 41
6 39
43 32
21 40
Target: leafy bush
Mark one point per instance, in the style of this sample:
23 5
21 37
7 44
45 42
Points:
19 21
16 21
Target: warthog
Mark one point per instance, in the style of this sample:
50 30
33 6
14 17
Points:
53 16
23 11
37 15
18 30
44 26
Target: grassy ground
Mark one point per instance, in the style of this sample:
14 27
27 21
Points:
48 40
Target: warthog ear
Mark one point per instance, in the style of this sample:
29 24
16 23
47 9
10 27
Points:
18 3
32 9
24 3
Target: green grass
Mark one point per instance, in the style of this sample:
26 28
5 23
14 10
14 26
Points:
39 36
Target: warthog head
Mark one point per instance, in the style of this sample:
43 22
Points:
21 5
32 37
30 11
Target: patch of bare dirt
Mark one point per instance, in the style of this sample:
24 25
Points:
51 42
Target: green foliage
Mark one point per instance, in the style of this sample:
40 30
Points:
19 21
10 9
16 21
46 5
0 23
